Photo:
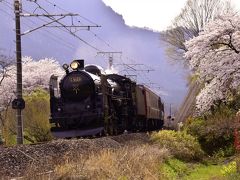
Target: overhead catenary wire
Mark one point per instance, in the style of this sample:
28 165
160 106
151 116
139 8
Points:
54 37
78 21
101 39
139 74
64 28
97 36
55 5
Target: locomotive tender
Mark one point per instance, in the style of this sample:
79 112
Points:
89 102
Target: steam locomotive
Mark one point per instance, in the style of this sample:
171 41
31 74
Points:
88 102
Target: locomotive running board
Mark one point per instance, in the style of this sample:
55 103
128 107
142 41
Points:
77 133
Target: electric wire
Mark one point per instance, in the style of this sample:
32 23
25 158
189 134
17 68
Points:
106 43
142 75
51 35
66 29
66 11
78 21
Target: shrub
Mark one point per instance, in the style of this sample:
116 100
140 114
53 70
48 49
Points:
1 140
214 131
229 168
35 119
36 116
180 144
174 169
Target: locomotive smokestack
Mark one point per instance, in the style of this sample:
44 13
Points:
81 64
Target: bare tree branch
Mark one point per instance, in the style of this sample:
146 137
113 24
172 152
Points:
192 19
228 44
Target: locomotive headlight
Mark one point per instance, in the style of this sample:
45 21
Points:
74 65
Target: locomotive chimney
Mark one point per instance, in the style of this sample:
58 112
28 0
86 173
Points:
80 64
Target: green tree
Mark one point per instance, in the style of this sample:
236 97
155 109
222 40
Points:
36 115
215 129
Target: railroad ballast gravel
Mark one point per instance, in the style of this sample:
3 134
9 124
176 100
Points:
14 161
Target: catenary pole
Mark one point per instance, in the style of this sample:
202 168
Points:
19 117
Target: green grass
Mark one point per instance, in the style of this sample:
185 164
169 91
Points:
174 169
203 172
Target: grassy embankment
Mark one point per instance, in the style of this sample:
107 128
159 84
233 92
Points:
169 155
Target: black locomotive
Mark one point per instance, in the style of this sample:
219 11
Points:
89 102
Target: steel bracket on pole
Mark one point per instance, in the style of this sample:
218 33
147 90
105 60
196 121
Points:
18 104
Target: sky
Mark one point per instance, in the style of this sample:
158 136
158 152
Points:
129 26
154 14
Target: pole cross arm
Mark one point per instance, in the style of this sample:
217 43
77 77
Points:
44 25
47 15
109 53
140 70
73 26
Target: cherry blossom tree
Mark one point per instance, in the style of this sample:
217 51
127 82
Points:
191 20
36 74
5 62
214 57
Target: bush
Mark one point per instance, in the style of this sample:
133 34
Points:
174 169
229 168
180 144
36 116
1 140
214 131
35 119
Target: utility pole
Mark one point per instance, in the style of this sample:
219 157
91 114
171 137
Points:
170 110
110 57
170 116
18 103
